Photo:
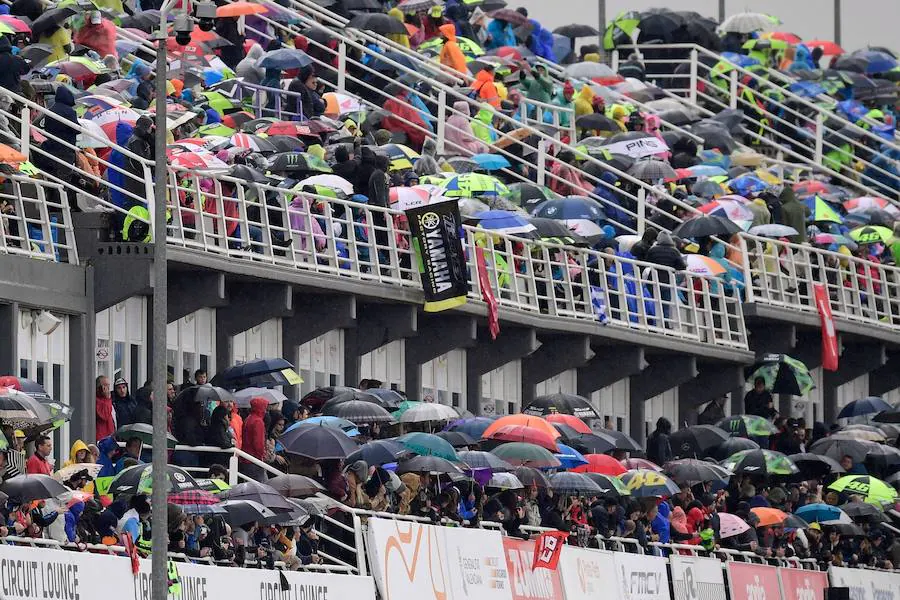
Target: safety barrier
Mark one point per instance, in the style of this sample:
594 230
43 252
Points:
35 220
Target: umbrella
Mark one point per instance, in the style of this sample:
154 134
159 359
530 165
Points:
139 480
828 47
707 189
295 162
524 454
622 440
242 512
295 486
25 488
569 457
773 230
428 444
522 433
331 396
705 266
705 226
237 9
601 463
748 22
317 442
263 493
747 425
502 221
66 473
193 497
731 525
524 420
378 452
571 207
647 483
532 477
782 374
51 19
567 404
20 410
477 459
510 16
731 446
872 234
284 58
359 411
596 121
652 170
760 462
595 442
142 431
429 411
863 511
640 463
770 516
457 439
821 512
570 420
491 162
882 458
468 185
863 406
242 397
261 372
610 487
427 464
621 29
504 481
528 195
199 161
377 22
696 440
871 488
248 141
473 426
204 394
573 484
692 471
576 30
94 137
887 416
859 431
837 448
816 465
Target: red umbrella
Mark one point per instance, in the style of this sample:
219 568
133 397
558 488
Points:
785 36
509 52
293 128
828 47
570 420
641 463
18 24
194 497
319 127
810 187
601 463
520 433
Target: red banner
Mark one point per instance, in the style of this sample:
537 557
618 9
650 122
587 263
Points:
528 583
800 584
829 336
487 293
547 548
753 582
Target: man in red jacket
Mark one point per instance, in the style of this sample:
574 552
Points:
38 463
254 438
106 416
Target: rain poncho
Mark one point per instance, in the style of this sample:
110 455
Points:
60 40
500 34
115 174
482 125
451 56
400 38
138 72
541 41
247 68
485 89
404 118
460 136
537 87
100 37
584 101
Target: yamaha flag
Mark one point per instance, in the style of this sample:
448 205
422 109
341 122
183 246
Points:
435 230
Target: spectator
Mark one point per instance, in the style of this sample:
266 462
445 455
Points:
236 422
200 377
451 56
484 87
538 87
309 103
255 439
758 401
125 405
40 463
12 67
851 467
106 416
658 448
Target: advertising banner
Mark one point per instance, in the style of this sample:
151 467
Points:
866 584
527 583
802 584
697 578
639 148
586 574
435 230
475 565
749 581
641 577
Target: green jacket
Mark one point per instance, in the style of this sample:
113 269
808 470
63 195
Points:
793 214
482 127
537 88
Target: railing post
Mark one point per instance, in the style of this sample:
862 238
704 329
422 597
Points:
233 469
641 210
441 120
26 131
692 90
615 60
541 161
342 67
732 88
748 274
148 190
820 139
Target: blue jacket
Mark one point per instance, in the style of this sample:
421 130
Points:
72 516
106 446
114 176
501 33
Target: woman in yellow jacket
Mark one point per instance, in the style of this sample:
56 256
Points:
81 454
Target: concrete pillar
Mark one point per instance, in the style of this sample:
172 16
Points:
9 333
557 353
487 355
856 360
82 347
249 304
713 380
664 372
886 378
437 335
376 326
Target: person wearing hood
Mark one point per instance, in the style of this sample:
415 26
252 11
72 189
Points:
59 39
458 15
247 69
219 434
255 439
106 415
659 450
483 124
98 34
344 166
59 129
227 28
12 67
660 524
404 118
398 38
140 143
144 398
109 449
290 410
584 101
78 454
451 55
664 253
367 165
540 41
484 87
793 214
306 85
500 33
124 403
460 137
538 87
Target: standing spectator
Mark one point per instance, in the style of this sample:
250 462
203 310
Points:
451 56
758 401
106 416
309 103
124 403
231 55
539 87
201 377
12 67
98 34
39 462
658 448
58 151
219 433
236 422
255 438
664 253
484 86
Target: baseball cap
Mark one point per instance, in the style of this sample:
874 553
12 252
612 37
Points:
815 526
19 433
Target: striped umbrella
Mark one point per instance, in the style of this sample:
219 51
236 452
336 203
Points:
199 161
252 142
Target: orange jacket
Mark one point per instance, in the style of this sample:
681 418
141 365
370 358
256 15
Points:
487 91
451 56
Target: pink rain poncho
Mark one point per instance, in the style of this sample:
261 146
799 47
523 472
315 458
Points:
460 137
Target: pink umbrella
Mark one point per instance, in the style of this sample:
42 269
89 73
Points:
731 525
402 198
198 161
641 463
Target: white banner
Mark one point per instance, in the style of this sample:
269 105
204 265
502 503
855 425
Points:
641 577
865 584
697 578
586 574
639 148
413 561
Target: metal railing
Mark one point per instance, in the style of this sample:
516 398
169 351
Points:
35 220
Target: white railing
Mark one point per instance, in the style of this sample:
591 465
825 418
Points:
35 220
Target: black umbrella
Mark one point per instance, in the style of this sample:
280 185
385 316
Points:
592 443
706 226
732 446
359 411
51 19
456 438
696 440
573 484
610 486
530 195
25 488
676 117
378 452
294 162
36 54
652 170
261 372
714 136
816 465
531 477
882 457
477 459
659 24
286 143
259 492
360 5
383 66
838 448
556 230
864 511
378 22
692 471
845 529
248 174
241 512
622 440
427 464
596 121
387 398
204 394
576 30
295 485
138 480
319 398
568 404
143 432
887 416
317 442
146 20
567 431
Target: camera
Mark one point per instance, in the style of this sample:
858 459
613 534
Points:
206 14
183 26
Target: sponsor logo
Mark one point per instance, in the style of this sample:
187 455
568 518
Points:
755 590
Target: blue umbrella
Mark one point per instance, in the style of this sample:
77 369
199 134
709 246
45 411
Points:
473 426
819 513
707 170
503 221
491 162
285 58
570 457
741 60
571 207
745 185
807 89
715 158
876 62
863 406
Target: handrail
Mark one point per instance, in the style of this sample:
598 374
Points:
39 224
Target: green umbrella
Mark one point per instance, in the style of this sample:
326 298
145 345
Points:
218 102
647 483
747 426
470 185
872 234
767 44
782 375
873 489
625 22
760 462
525 454
470 48
823 212
427 444
215 129
143 432
405 406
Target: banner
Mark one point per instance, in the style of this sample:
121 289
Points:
527 583
749 581
802 584
547 548
830 352
586 574
475 565
641 577
435 231
487 293
639 148
866 584
697 578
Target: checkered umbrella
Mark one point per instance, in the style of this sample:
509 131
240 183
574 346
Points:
194 497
